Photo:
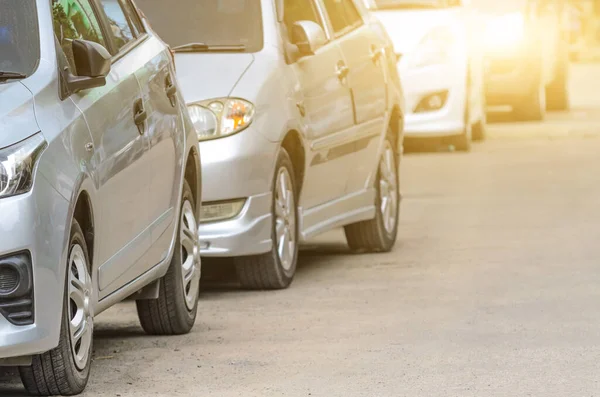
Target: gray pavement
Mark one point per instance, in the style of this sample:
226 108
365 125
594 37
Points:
493 290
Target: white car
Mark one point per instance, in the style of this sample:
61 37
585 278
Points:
440 67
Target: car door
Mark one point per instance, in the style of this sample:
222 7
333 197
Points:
363 51
119 161
325 107
148 58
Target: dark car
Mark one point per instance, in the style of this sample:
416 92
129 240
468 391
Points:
527 55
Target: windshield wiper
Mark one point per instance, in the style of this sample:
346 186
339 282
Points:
11 76
202 47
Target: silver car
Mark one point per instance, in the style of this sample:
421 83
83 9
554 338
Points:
298 108
99 185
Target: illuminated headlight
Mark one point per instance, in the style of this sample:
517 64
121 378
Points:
217 118
435 49
221 210
17 165
505 31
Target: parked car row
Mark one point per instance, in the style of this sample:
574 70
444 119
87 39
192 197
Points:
460 57
137 137
245 129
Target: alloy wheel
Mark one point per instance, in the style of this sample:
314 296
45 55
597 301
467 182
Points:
388 189
190 254
285 218
81 322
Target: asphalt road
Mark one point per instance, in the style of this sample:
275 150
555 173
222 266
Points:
493 290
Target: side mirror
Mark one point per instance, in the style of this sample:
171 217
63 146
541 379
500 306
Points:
92 62
308 36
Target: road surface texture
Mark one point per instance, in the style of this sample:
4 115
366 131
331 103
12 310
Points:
493 290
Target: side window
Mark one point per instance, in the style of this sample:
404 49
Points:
298 10
343 14
120 27
75 19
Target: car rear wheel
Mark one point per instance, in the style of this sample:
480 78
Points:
174 312
65 370
276 269
379 234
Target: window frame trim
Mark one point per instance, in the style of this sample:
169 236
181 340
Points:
118 53
348 29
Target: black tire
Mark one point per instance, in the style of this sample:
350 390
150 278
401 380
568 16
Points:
266 272
533 107
371 235
55 372
557 93
479 131
169 314
462 142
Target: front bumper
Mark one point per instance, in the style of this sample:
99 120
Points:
36 222
418 84
249 233
238 167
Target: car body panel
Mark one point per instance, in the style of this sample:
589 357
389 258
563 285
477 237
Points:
460 76
512 73
229 65
305 98
17 116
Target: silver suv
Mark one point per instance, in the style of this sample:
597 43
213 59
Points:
99 185
299 111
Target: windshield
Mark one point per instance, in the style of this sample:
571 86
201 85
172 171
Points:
396 4
235 23
19 38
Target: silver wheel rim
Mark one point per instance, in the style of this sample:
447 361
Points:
190 255
81 322
285 219
388 189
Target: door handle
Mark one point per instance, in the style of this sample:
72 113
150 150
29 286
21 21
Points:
139 115
342 71
376 54
171 90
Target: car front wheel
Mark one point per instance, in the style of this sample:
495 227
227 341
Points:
65 370
276 269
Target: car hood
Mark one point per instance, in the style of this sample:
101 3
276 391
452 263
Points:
210 75
407 28
17 114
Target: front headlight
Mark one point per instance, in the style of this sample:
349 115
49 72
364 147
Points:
217 118
505 31
435 48
17 165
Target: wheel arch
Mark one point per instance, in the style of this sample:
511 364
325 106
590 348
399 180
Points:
397 126
193 176
294 146
83 213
